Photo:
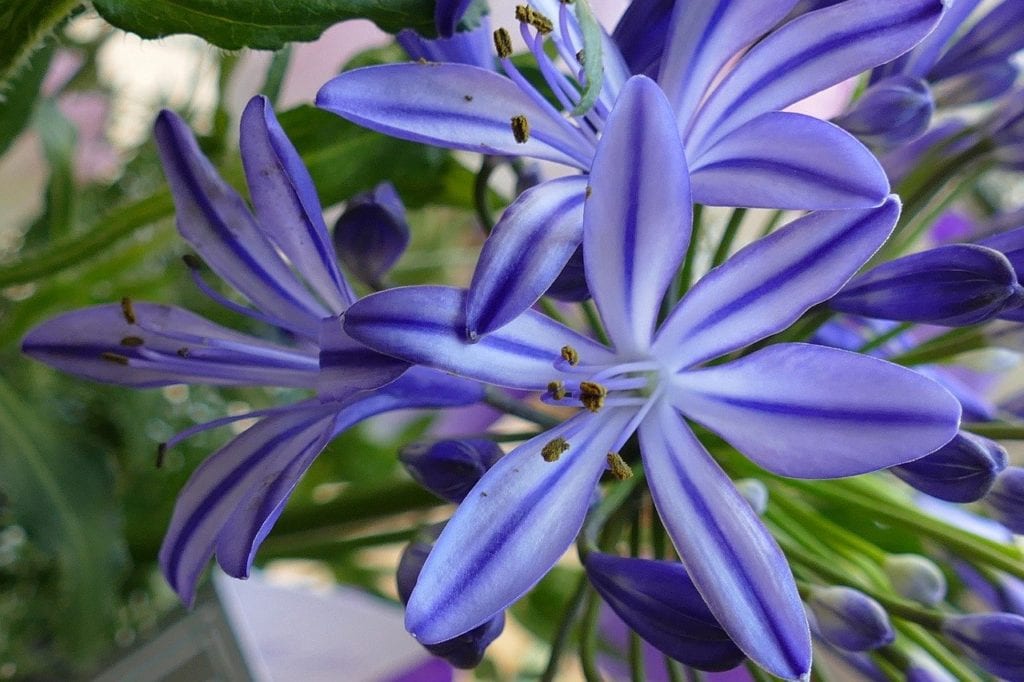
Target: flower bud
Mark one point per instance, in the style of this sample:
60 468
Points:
466 650
963 470
890 112
850 619
1006 498
924 669
952 285
914 577
449 468
659 602
571 283
371 235
995 641
754 492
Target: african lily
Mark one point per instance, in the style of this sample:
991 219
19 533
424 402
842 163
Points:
742 149
233 499
797 410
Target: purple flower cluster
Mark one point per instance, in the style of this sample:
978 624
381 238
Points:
691 109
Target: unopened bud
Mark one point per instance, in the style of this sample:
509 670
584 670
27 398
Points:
849 619
890 112
916 578
755 493
963 470
372 233
449 468
1007 499
995 641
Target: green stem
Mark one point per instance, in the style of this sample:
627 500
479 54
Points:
551 310
322 543
598 516
594 320
943 347
565 628
756 672
500 400
481 192
686 274
888 336
588 639
675 672
275 73
996 430
934 648
854 494
732 228
772 222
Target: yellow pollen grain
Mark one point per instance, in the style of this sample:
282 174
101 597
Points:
570 355
503 43
554 449
132 341
620 469
557 389
592 395
530 16
115 357
127 310
520 128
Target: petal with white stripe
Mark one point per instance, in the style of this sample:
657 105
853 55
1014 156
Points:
731 557
814 412
636 222
768 285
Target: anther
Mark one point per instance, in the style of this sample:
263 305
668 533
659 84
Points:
115 357
520 128
503 43
570 355
590 190
530 16
557 389
161 450
132 341
182 352
192 261
127 310
554 449
581 57
592 395
620 469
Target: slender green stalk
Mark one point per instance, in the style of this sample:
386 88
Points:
481 191
502 401
943 347
886 337
996 430
772 223
588 639
551 310
934 648
758 674
732 229
275 73
594 320
675 672
686 274
564 629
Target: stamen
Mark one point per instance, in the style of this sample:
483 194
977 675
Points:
503 43
570 355
132 341
620 469
592 395
520 128
581 57
554 449
530 16
115 357
183 352
127 310
161 450
557 389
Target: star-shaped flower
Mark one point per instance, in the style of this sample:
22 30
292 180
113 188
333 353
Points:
796 409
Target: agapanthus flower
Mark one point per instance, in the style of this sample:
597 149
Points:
796 409
742 149
234 497
948 68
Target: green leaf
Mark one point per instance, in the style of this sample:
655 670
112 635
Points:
20 98
62 495
260 24
593 59
23 26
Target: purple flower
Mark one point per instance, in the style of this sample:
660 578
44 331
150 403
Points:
796 409
963 470
659 602
849 619
449 468
994 640
234 497
1007 498
742 150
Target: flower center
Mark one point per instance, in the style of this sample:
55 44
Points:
633 383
